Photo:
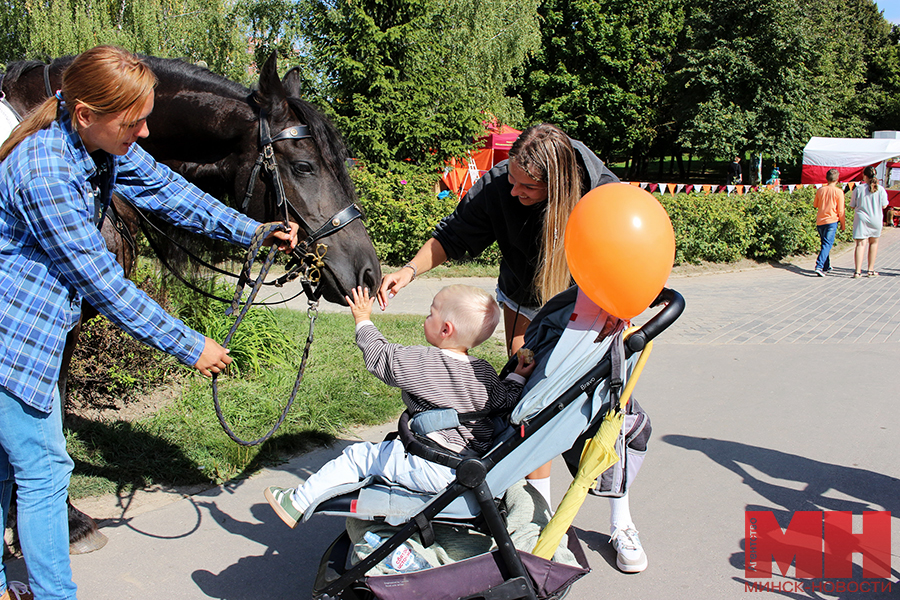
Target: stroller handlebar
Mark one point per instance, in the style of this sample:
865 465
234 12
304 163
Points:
660 322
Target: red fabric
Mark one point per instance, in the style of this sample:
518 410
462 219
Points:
494 147
893 197
816 173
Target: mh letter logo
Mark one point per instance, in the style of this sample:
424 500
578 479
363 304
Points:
821 544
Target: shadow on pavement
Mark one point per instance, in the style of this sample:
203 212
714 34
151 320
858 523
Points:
860 490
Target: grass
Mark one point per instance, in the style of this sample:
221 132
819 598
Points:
183 444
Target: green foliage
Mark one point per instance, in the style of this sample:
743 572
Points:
409 80
731 98
762 225
601 69
110 368
401 210
712 228
196 30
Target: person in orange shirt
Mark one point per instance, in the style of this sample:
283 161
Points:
830 204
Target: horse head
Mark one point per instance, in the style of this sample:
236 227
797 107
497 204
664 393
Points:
311 162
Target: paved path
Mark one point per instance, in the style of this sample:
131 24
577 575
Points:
777 390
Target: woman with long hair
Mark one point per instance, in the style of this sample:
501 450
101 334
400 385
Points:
869 200
523 204
60 167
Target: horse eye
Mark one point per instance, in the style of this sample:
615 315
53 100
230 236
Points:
302 168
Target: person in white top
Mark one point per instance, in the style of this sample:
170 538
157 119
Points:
869 200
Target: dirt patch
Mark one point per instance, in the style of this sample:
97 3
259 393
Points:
129 409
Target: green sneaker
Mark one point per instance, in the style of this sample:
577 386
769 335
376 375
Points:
280 499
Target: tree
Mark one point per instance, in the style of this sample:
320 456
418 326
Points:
413 80
602 68
196 30
765 75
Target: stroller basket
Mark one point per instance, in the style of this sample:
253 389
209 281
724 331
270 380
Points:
469 578
504 573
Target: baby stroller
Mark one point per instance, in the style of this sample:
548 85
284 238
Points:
578 373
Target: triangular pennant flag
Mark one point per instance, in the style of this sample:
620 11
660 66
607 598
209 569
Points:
730 188
637 183
671 188
653 187
740 189
706 188
678 188
791 188
644 185
818 185
689 188
852 185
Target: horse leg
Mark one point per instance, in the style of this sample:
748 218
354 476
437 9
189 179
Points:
84 535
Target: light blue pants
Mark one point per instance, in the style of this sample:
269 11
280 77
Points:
387 459
33 454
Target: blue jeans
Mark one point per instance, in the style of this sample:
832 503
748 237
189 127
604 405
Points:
33 454
826 234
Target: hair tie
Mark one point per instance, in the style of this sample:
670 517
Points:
59 96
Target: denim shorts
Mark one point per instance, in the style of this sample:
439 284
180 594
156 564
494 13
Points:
528 313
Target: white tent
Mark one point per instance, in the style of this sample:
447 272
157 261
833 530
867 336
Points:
848 155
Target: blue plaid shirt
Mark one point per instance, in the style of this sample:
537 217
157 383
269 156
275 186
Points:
52 254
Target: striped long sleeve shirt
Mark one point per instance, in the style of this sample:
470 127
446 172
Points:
431 378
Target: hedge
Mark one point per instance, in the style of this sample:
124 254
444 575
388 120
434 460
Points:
402 209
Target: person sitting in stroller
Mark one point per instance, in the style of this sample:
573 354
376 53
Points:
440 377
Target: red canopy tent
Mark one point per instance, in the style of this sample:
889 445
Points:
494 145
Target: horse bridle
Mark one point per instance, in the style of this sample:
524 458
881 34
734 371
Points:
306 261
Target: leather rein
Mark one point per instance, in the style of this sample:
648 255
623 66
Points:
306 261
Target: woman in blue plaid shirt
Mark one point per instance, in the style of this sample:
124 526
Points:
52 256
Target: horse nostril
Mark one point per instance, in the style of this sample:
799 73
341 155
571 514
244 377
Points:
368 280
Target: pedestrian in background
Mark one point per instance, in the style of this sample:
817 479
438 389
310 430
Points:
869 200
830 204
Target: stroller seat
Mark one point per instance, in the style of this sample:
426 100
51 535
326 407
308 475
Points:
578 373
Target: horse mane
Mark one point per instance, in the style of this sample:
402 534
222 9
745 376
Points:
327 139
16 69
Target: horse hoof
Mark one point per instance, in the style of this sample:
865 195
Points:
92 541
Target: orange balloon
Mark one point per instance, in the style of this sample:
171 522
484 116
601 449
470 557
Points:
620 247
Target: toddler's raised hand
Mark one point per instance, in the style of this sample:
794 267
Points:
360 304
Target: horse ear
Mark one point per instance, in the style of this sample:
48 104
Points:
271 91
291 83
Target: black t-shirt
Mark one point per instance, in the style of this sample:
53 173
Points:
490 213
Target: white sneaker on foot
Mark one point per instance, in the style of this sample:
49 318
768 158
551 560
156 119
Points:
630 555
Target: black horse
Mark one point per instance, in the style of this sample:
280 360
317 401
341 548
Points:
213 131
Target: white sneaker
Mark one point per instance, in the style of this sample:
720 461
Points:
630 555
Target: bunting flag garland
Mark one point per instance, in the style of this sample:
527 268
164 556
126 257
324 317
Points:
690 188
